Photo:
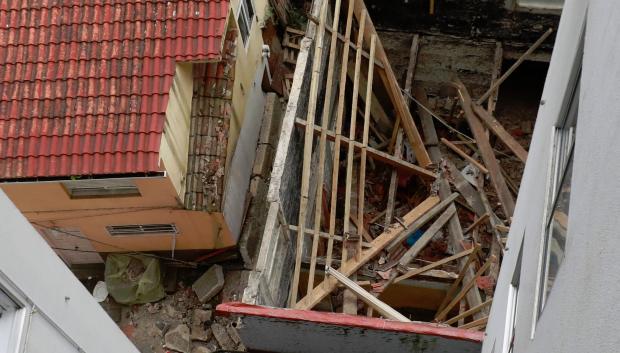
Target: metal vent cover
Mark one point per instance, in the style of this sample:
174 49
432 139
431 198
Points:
142 229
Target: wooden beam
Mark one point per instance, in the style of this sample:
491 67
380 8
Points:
486 151
362 175
318 209
514 66
372 301
324 235
497 70
391 84
455 285
389 210
424 219
472 282
338 135
476 223
467 157
351 266
475 324
380 156
308 142
415 249
376 111
455 232
421 270
349 302
501 133
341 38
469 312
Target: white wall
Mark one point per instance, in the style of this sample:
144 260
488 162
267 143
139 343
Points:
583 305
59 314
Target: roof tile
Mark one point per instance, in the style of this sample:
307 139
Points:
84 85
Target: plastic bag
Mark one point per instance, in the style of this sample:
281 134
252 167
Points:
133 279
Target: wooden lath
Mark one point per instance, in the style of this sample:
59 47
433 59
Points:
367 49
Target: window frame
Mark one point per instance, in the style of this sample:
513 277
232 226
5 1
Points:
19 316
561 153
512 306
248 11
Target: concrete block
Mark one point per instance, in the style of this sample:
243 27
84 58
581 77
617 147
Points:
178 339
221 336
209 284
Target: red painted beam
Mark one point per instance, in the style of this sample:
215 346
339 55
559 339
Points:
336 319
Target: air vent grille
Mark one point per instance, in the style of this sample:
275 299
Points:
142 229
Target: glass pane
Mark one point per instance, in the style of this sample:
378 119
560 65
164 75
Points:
248 5
243 26
557 227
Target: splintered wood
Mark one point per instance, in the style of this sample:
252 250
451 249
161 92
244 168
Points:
372 213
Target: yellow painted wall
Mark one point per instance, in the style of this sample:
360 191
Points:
248 61
49 204
175 140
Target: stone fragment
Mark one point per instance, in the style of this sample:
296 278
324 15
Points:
209 284
200 333
200 316
178 339
221 336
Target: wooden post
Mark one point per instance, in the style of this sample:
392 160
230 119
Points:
338 134
362 175
318 210
305 177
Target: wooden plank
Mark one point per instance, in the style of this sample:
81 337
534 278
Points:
469 312
374 153
318 209
497 70
470 284
351 266
427 236
421 270
424 219
365 54
349 302
467 157
499 131
338 136
325 235
372 301
476 223
475 324
362 175
486 151
465 188
514 66
455 285
455 232
376 111
308 140
389 211
391 84
396 143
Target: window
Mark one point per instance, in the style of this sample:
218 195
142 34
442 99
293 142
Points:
9 321
512 305
245 17
93 188
558 198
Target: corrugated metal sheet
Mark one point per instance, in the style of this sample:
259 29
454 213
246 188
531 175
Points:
84 84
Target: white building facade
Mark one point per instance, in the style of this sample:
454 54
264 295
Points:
558 290
43 306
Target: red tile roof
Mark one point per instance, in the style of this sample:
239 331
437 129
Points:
84 84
